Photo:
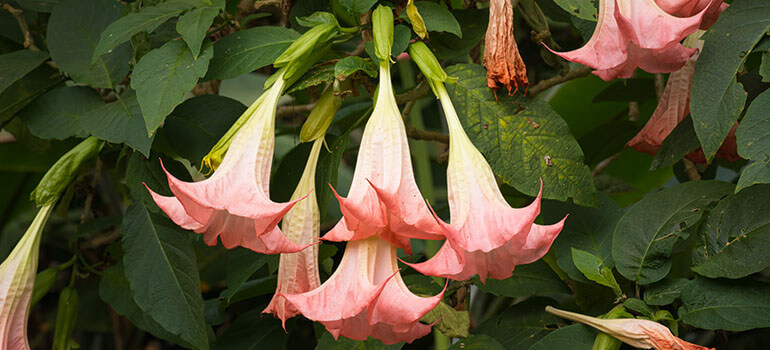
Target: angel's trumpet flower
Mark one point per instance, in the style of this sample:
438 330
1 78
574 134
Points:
486 236
384 199
501 54
234 203
642 334
17 280
367 297
637 33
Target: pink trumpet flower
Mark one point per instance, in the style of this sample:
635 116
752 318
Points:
298 272
638 33
486 236
642 334
234 203
17 280
367 297
384 199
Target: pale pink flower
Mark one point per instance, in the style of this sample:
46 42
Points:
234 204
17 280
642 334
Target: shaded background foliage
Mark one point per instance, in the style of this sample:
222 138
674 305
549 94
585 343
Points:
165 79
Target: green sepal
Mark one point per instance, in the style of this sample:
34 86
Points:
314 38
321 116
429 65
57 178
66 317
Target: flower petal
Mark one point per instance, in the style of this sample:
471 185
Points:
649 27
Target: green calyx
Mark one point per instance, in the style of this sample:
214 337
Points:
382 30
604 341
320 117
315 38
57 178
429 65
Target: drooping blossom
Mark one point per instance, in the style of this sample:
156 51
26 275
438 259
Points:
366 296
17 280
501 54
686 8
384 199
486 236
674 106
639 33
642 334
234 203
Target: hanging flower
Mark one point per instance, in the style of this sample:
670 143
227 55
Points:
687 8
367 297
637 33
17 280
501 54
642 334
384 199
673 107
234 204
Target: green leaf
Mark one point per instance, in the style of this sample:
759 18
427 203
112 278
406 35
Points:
477 342
594 269
536 278
190 129
583 9
155 247
316 76
638 306
73 30
351 64
141 171
646 234
120 122
680 142
437 18
58 113
764 67
450 322
520 326
27 89
163 77
634 89
522 140
193 25
574 337
252 331
247 50
17 64
664 292
753 139
39 5
357 7
447 45
318 18
145 20
734 241
717 99
241 264
115 291
327 342
588 229
730 305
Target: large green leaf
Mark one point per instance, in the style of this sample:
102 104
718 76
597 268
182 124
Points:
241 264
447 45
57 113
147 19
438 18
520 326
193 25
120 122
588 229
664 292
141 172
162 273
39 5
164 75
252 331
191 130
448 321
356 7
646 234
753 138
595 270
477 342
17 64
26 90
73 31
735 239
351 64
524 141
717 99
729 305
247 50
527 280
115 291
574 337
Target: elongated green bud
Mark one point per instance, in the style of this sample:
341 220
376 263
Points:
66 316
382 29
57 178
43 283
429 65
320 117
316 37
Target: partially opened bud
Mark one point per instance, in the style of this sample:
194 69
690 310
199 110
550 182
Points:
64 170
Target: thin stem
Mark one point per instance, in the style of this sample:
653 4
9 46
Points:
29 43
547 83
